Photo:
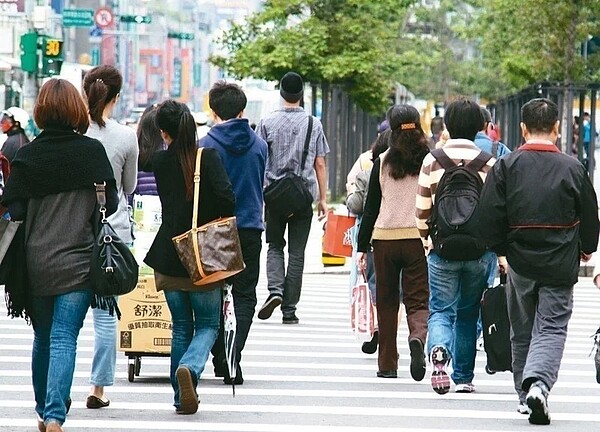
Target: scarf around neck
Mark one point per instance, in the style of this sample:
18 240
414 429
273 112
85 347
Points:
58 160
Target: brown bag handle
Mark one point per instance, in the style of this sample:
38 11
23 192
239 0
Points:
195 213
196 188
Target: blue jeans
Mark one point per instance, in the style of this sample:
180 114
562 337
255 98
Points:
105 348
455 289
56 321
491 279
195 317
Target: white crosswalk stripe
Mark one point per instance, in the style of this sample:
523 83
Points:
309 377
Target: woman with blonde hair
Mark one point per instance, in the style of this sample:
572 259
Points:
51 188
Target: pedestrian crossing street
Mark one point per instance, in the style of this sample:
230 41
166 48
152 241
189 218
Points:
310 377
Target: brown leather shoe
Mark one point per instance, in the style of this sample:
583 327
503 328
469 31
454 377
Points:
54 427
94 402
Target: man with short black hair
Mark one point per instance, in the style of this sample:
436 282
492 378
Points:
287 132
539 209
244 156
455 286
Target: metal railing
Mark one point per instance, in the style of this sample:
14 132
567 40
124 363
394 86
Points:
349 131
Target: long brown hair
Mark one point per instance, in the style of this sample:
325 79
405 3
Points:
101 85
176 119
59 104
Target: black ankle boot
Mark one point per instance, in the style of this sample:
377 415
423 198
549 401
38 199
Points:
371 346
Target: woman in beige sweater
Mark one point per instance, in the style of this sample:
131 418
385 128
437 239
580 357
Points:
388 221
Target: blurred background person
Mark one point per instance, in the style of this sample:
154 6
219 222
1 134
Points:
202 126
102 86
437 127
149 142
52 187
13 122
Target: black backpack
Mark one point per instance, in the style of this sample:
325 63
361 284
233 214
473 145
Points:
452 230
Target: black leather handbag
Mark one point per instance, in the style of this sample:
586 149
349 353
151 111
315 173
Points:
290 194
114 270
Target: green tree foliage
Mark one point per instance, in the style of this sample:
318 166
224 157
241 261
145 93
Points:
523 42
347 42
435 60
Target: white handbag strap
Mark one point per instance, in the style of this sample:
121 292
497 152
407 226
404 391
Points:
196 188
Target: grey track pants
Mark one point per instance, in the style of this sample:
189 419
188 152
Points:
539 315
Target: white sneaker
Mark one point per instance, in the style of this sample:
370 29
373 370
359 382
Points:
537 401
523 408
465 388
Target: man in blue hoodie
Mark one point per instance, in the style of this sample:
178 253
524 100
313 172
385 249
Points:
244 156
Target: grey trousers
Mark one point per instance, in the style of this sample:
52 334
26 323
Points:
539 315
287 284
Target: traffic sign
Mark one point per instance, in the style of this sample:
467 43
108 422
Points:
137 19
103 17
95 32
78 17
179 35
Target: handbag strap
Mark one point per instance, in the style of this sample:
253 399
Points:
196 188
101 199
306 143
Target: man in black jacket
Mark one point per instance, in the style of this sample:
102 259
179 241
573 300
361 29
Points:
539 209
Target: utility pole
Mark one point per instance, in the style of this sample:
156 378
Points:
30 81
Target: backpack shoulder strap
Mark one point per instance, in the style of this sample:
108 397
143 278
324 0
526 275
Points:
479 162
441 156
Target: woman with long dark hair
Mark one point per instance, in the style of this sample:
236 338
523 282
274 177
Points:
51 188
102 87
149 141
195 314
389 221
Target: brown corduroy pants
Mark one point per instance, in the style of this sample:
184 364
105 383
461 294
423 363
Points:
392 257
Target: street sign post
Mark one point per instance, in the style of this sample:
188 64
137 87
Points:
78 17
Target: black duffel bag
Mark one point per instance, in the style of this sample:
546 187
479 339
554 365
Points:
288 195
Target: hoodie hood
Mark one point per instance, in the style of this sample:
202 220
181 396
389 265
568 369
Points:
234 135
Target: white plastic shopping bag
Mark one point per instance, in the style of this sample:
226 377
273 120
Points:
362 311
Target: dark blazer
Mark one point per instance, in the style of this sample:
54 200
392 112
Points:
216 200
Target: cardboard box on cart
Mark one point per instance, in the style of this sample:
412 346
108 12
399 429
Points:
145 324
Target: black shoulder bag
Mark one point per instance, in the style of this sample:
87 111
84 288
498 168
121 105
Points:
290 194
114 270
